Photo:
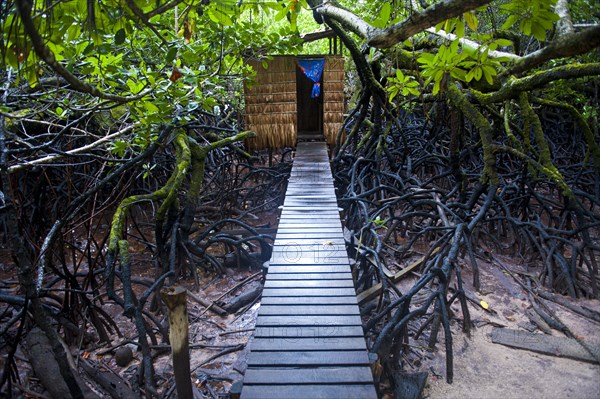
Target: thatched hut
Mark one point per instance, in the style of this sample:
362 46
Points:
281 106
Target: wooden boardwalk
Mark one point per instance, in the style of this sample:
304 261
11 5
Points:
309 340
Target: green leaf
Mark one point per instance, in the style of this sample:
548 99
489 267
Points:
439 26
510 21
399 75
526 27
489 73
120 37
220 16
171 54
471 20
384 16
118 148
393 92
503 42
414 91
282 13
150 107
458 73
538 31
460 28
426 58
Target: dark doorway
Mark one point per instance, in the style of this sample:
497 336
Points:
310 110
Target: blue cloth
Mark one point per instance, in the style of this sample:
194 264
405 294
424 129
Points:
313 69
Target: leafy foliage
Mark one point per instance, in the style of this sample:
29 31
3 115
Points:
401 84
188 57
534 17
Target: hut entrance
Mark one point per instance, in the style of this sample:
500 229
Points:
309 91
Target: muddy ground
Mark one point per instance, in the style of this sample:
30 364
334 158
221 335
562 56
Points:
482 369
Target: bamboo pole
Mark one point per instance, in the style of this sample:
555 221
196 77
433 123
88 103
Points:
176 300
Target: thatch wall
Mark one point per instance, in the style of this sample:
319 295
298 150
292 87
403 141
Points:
271 102
333 97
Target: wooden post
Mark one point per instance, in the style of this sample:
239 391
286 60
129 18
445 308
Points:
176 300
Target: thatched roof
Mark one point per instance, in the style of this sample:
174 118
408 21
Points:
271 102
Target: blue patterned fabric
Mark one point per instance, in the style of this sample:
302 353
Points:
313 69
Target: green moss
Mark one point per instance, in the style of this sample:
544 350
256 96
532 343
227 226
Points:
545 156
483 126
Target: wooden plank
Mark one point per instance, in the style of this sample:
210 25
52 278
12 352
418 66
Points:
274 268
330 225
311 225
309 230
307 344
298 201
355 375
307 258
318 301
309 320
309 276
304 310
311 214
320 196
318 244
546 344
330 206
286 214
285 284
309 292
312 217
320 193
328 231
298 254
317 252
326 245
315 332
374 291
309 183
301 235
308 359
308 341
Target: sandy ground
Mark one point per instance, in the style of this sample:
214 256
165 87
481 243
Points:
486 370
483 369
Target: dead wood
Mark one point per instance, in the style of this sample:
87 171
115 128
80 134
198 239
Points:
114 385
207 304
580 310
244 299
176 300
546 344
45 366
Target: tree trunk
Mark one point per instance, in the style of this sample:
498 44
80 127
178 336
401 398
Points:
176 300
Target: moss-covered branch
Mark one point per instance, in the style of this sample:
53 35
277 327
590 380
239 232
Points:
588 134
545 157
198 158
460 101
512 87
565 46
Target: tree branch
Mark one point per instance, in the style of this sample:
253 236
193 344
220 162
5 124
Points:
512 88
24 10
471 44
78 150
564 46
564 26
384 38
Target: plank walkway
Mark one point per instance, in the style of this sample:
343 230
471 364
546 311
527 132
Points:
309 340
